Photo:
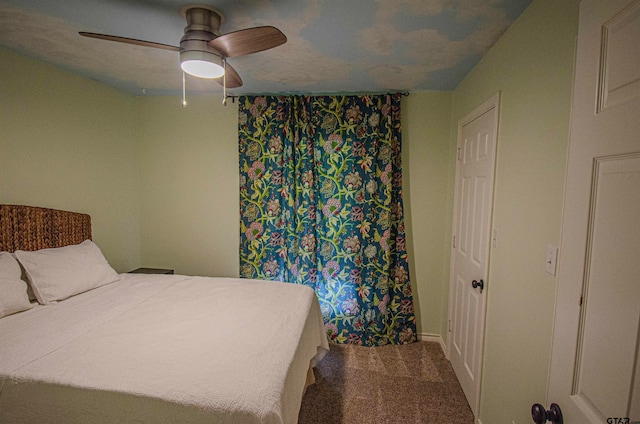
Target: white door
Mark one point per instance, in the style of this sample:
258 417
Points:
595 373
470 247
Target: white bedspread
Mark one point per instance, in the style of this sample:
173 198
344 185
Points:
162 349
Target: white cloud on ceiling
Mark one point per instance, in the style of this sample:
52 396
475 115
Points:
427 48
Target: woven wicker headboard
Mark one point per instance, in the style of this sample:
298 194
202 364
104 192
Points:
34 228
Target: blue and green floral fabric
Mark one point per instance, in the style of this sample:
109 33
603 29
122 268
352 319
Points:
321 205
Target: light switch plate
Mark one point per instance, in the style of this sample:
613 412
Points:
552 257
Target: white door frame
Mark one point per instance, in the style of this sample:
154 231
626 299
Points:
491 103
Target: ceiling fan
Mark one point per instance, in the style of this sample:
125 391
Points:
204 50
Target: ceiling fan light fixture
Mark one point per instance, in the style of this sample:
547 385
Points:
204 50
201 64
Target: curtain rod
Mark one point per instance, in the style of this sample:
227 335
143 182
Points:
233 97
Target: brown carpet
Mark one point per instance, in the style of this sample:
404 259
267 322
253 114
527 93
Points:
390 384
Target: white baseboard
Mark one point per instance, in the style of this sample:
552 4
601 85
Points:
429 337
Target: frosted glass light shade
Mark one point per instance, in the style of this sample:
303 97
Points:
201 64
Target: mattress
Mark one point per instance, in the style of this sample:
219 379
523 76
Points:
163 348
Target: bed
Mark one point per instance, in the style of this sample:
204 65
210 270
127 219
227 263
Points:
146 348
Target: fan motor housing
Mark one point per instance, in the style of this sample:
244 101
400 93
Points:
203 25
202 18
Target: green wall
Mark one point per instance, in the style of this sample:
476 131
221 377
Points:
426 150
189 185
532 67
69 143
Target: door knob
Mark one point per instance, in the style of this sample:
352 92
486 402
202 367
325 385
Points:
541 415
475 284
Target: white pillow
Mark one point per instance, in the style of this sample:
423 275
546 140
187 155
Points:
13 291
58 273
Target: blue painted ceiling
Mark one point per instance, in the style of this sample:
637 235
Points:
333 45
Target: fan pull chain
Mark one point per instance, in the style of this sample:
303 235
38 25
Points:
224 82
184 91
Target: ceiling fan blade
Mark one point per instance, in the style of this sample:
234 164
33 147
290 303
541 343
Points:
233 79
247 41
130 41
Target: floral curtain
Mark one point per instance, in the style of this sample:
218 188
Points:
321 205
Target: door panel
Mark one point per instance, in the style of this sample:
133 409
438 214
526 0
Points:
609 324
466 208
458 316
480 224
620 77
472 311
